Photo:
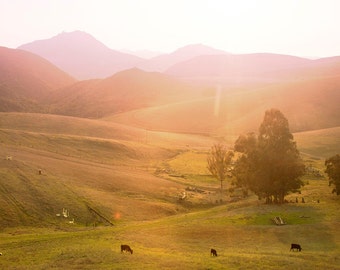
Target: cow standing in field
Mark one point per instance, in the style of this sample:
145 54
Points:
125 248
295 246
213 252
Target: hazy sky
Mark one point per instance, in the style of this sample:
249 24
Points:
296 27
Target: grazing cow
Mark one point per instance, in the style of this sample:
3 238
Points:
295 246
125 248
213 252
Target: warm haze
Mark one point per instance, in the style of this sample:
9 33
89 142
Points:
101 146
306 28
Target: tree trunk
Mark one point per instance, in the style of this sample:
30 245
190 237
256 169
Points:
221 189
282 198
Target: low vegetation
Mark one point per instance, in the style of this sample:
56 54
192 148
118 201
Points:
333 171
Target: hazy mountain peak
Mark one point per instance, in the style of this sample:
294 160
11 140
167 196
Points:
79 39
61 44
81 55
75 33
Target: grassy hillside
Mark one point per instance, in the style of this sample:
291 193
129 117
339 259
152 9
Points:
76 171
124 91
308 105
104 129
83 160
319 143
112 176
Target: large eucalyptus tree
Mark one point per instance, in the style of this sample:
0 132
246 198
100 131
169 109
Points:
269 164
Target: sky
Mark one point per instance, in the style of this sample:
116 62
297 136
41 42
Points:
307 28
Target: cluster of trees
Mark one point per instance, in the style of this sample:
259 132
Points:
268 164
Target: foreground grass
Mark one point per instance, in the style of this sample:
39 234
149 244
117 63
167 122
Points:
164 246
242 233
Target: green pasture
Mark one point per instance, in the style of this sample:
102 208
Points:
243 234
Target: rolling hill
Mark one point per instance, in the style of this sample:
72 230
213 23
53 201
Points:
93 168
322 143
126 90
81 55
96 168
308 105
253 68
162 62
25 78
237 68
158 102
81 161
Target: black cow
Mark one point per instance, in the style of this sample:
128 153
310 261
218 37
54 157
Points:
213 252
295 246
125 248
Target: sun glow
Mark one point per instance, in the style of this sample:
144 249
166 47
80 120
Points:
217 100
302 28
117 216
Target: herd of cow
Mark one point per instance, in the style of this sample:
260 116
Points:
213 252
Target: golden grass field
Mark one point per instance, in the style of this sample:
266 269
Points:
102 171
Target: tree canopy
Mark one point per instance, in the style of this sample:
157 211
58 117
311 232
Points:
333 171
269 164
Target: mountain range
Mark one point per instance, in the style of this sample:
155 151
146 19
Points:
194 89
84 57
